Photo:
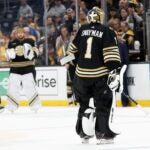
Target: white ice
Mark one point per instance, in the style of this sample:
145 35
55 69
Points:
53 128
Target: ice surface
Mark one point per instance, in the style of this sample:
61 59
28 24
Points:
53 128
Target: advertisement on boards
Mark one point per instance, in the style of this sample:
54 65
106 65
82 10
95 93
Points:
50 82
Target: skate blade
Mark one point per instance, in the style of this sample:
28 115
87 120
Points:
105 141
85 141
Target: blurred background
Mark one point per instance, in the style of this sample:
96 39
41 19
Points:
59 20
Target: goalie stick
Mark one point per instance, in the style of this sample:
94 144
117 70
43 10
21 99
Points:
113 107
62 62
136 103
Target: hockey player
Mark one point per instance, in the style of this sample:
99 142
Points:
22 53
98 63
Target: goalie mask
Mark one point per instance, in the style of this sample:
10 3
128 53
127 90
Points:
95 15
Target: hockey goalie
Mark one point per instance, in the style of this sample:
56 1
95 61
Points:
21 54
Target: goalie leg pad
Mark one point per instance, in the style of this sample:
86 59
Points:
13 95
88 122
12 104
31 92
85 126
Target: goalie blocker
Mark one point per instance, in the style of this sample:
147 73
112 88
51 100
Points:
67 59
115 79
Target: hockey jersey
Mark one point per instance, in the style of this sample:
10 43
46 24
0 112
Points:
97 51
20 64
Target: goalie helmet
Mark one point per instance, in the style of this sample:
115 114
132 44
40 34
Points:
95 15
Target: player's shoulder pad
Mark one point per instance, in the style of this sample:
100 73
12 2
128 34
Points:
13 43
29 41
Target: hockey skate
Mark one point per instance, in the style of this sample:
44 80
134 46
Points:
105 138
35 108
35 104
2 109
85 138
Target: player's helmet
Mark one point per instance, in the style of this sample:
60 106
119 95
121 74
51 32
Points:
95 15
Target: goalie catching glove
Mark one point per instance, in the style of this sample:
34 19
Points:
115 79
10 53
28 52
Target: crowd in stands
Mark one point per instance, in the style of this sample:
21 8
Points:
125 17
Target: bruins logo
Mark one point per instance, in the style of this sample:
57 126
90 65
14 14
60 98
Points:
19 50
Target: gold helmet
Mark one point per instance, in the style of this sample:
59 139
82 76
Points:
95 15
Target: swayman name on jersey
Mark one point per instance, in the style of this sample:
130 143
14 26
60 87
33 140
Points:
96 51
95 33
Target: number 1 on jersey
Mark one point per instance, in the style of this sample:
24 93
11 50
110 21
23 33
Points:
88 54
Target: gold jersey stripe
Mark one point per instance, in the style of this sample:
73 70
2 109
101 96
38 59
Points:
111 53
72 51
111 56
111 50
22 64
91 76
91 72
111 47
73 46
112 59
96 69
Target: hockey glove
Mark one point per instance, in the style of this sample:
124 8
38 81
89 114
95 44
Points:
67 58
114 80
10 53
28 52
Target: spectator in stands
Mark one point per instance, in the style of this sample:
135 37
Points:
57 9
82 17
3 45
62 41
123 14
133 19
29 33
113 13
25 10
22 21
58 22
83 6
52 34
140 10
69 19
127 35
75 29
135 22
122 4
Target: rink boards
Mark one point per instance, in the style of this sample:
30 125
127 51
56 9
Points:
51 85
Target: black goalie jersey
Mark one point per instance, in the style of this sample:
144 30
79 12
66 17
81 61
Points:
97 51
20 64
